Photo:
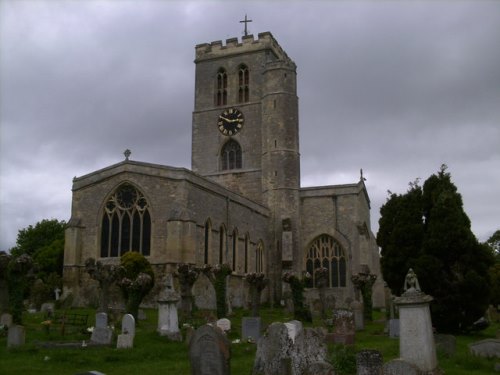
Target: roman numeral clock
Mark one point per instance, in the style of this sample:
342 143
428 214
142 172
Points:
230 121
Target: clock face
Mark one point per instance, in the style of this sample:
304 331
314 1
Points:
230 121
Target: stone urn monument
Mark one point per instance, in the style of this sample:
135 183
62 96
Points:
416 339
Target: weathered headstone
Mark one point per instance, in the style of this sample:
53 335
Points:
57 293
128 324
400 367
125 341
102 334
47 307
16 336
343 327
250 328
359 321
141 315
168 320
6 320
277 353
446 344
369 362
209 352
489 348
393 328
101 320
224 324
416 339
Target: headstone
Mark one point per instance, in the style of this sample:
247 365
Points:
102 336
47 307
141 315
278 354
400 367
209 352
447 344
224 324
359 321
394 328
128 324
489 348
343 327
369 362
125 341
6 320
101 320
16 336
57 293
250 328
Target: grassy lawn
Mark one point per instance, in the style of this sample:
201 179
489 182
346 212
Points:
153 354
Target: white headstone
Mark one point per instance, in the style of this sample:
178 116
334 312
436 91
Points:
125 341
128 324
47 307
224 324
57 292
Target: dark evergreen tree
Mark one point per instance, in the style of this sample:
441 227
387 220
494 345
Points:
428 230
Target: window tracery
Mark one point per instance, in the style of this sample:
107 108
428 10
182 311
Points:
326 252
231 156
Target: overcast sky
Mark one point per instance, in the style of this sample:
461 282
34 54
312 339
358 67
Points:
396 88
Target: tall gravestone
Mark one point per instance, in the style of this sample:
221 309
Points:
416 339
126 339
168 319
209 352
343 326
250 328
102 334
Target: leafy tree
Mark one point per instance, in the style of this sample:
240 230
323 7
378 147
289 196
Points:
136 280
494 244
427 229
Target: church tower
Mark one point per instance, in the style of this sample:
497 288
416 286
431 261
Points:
245 133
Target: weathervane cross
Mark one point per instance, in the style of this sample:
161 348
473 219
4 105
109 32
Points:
245 21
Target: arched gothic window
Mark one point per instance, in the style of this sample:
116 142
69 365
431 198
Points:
222 244
206 247
245 266
221 84
231 155
126 223
235 249
326 252
243 83
259 258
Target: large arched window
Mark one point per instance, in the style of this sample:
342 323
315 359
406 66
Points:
245 266
206 247
243 83
221 91
235 249
126 223
231 155
326 252
222 243
259 258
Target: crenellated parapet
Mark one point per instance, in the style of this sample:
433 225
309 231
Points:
233 46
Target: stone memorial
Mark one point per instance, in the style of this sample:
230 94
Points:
47 307
250 328
369 362
102 334
141 315
125 341
209 352
394 328
293 327
168 319
400 367
489 348
57 293
6 320
16 336
277 353
359 321
343 327
224 324
416 339
128 324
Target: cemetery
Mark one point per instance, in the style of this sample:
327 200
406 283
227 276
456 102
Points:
258 340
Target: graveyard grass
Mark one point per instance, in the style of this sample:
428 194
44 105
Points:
153 354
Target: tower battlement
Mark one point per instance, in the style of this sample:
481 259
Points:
217 49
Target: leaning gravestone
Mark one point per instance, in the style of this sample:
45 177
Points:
277 353
343 327
6 320
369 362
250 328
400 367
489 348
102 334
16 336
209 352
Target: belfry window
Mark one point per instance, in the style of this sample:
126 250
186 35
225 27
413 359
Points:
326 252
243 83
221 91
126 223
231 156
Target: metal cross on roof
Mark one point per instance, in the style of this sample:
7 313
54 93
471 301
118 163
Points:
245 21
127 153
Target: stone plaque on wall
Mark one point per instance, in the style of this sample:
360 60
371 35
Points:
286 247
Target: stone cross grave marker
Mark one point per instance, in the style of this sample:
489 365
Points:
209 352
250 328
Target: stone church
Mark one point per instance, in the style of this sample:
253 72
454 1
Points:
240 204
